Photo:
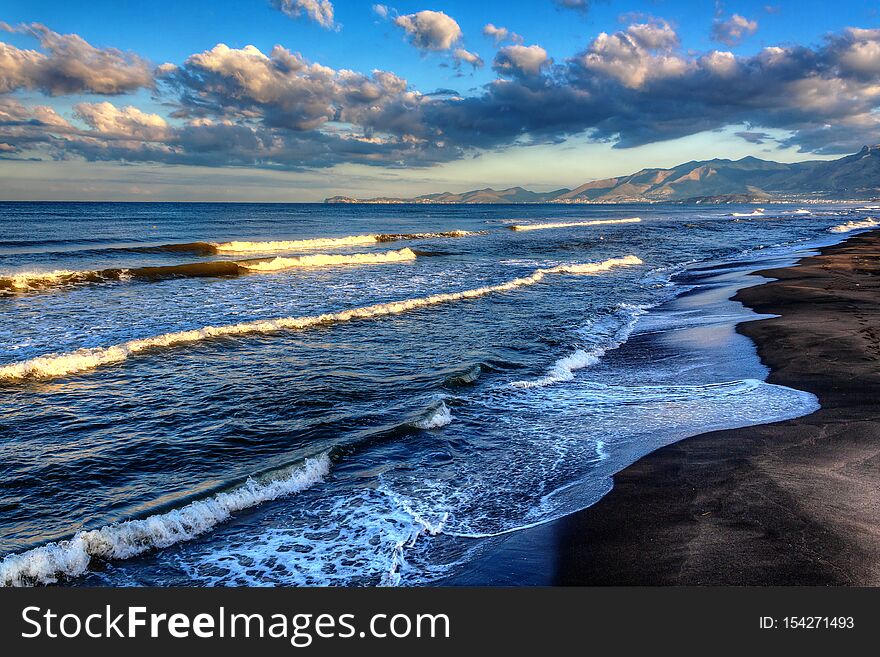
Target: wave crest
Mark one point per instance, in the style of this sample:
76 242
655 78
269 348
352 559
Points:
323 260
437 417
850 226
570 224
70 558
54 365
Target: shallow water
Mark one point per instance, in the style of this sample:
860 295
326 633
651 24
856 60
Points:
384 440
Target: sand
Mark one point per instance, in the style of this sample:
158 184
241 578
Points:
794 502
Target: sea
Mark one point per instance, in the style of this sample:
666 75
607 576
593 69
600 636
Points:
358 395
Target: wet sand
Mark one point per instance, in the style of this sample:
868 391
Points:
793 502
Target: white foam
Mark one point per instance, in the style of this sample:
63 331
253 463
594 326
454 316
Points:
570 224
292 245
324 260
329 242
438 417
71 558
61 364
850 226
26 280
564 368
756 213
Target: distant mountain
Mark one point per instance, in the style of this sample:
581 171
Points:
855 176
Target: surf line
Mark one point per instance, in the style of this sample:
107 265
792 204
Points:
35 281
61 364
123 540
241 246
572 224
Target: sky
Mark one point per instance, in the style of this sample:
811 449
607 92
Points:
297 100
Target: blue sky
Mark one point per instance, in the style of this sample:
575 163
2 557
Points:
581 108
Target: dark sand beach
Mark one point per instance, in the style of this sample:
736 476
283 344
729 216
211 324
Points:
794 502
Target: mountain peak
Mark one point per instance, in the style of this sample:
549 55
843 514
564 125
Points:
852 176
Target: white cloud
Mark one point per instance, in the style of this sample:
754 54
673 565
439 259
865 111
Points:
521 60
430 30
318 11
734 30
69 65
468 57
644 51
501 34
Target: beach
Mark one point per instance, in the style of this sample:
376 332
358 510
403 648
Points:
264 395
789 503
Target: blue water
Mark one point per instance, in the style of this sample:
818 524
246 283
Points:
382 450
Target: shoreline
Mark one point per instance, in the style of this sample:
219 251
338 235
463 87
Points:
787 503
792 502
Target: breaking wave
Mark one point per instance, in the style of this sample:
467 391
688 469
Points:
61 364
327 242
30 281
277 264
564 368
437 417
759 212
50 563
569 224
850 226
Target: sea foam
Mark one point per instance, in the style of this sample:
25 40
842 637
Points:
437 417
322 260
70 558
61 364
850 226
570 224
32 281
328 242
564 368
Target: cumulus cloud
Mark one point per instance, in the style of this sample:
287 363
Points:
643 52
430 30
733 30
318 11
462 55
69 64
520 60
500 34
245 107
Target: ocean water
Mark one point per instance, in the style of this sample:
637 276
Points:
235 394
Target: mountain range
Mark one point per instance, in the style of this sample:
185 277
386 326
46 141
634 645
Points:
855 176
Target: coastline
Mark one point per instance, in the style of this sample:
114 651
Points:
786 503
792 502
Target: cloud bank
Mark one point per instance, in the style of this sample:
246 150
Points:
231 106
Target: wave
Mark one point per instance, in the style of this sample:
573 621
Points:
569 224
759 212
437 417
277 264
50 563
30 281
61 364
396 237
293 245
854 225
467 377
328 242
564 368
